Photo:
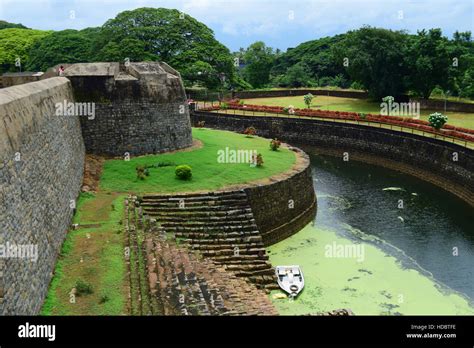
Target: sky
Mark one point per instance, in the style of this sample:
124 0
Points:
238 23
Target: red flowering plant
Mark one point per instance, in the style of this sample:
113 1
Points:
275 144
250 131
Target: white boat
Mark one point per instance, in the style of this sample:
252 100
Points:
290 279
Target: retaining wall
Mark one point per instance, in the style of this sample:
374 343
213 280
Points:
285 206
41 169
429 159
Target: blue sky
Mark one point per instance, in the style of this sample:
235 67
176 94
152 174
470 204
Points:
238 23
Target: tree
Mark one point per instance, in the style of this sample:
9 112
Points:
66 46
14 47
131 49
308 98
5 25
296 76
170 36
428 62
258 63
318 60
375 58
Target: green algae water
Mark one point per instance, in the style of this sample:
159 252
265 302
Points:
383 243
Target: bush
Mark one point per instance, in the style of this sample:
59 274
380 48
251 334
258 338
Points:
275 144
183 172
437 120
362 115
259 161
250 131
308 98
200 124
224 106
142 172
83 288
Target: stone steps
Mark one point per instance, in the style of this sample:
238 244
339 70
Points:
210 228
219 226
183 213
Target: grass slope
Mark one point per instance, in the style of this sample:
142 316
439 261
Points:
208 173
94 255
322 102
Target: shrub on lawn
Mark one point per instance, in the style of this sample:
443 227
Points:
183 172
362 115
308 98
437 120
250 131
275 144
142 172
83 288
257 160
224 106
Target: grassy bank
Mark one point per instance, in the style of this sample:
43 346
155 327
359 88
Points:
93 255
207 172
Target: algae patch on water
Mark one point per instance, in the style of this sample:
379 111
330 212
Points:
376 284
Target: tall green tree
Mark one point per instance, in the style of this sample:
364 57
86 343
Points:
429 62
65 46
15 44
258 60
169 35
5 25
374 58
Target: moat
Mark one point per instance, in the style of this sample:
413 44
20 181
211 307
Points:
416 240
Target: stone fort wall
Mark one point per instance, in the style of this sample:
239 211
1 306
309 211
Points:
41 168
140 108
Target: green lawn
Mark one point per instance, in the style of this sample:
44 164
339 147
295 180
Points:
461 119
94 255
208 173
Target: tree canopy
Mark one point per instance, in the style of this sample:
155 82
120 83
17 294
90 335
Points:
66 46
169 35
15 44
383 62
